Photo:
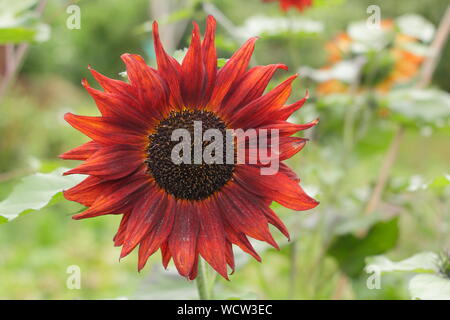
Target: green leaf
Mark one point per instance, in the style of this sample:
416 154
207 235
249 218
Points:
357 223
420 263
221 62
429 287
439 185
35 192
350 251
327 3
414 106
16 35
20 23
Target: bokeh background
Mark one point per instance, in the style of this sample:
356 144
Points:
383 114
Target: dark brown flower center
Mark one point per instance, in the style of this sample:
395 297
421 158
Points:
193 180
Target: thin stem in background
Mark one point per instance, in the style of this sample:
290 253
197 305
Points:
172 33
227 24
440 39
428 69
350 114
385 170
14 58
293 271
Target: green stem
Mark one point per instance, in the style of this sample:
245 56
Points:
349 123
293 246
202 282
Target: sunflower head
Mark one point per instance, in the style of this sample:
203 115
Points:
198 207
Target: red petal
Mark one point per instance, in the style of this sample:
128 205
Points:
114 86
209 58
193 72
287 129
194 271
286 111
262 109
88 190
165 254
289 173
160 232
106 130
183 238
278 187
82 152
111 162
239 239
119 238
116 201
275 221
152 90
211 239
250 86
232 70
252 152
289 146
243 211
229 255
118 105
169 68
143 218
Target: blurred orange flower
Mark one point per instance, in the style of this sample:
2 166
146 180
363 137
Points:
399 66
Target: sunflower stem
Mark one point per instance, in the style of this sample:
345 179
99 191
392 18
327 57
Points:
202 282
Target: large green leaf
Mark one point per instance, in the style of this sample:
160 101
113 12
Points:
422 263
429 287
35 192
350 251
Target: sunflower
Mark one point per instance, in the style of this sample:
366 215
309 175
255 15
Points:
186 210
300 5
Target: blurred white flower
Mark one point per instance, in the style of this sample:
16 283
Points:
258 25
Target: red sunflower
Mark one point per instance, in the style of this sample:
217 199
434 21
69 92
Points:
300 5
185 210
